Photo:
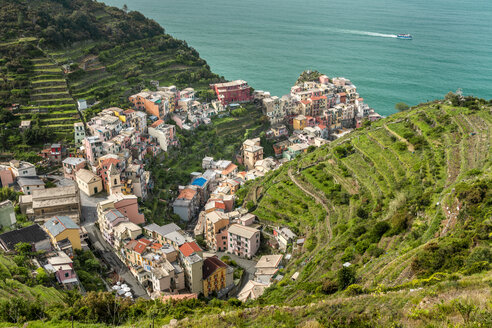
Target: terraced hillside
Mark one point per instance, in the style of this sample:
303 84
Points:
109 76
50 98
406 201
53 53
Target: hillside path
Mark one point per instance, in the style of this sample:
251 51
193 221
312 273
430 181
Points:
409 145
317 198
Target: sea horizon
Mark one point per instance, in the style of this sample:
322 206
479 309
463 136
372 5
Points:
270 44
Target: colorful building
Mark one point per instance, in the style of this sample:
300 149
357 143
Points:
214 275
243 241
62 227
233 92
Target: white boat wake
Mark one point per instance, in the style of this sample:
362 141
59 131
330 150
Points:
381 35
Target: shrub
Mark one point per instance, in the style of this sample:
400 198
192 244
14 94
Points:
361 212
401 106
348 254
477 267
354 290
362 245
310 243
329 287
375 251
479 254
401 146
345 277
380 229
446 255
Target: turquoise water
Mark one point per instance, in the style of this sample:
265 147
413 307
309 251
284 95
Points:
270 42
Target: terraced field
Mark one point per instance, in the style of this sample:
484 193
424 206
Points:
391 190
111 75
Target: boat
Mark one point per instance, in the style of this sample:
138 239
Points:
404 36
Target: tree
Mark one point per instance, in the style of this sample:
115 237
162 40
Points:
125 8
23 248
42 276
401 107
346 277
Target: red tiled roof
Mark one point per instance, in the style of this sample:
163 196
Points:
189 248
210 265
342 94
229 169
318 98
305 102
128 111
156 246
220 205
187 194
157 123
108 161
140 247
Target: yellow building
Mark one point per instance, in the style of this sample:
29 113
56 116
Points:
299 122
62 227
214 275
88 182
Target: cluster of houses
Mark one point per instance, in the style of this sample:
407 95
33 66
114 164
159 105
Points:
317 111
55 213
113 151
112 157
181 106
165 259
332 104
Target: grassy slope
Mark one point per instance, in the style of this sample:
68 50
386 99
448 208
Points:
9 287
389 184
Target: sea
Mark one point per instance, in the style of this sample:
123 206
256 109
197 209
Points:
270 42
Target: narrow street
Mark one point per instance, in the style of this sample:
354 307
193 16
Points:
113 261
88 218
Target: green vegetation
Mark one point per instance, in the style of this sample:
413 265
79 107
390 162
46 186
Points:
55 52
19 286
401 106
407 201
222 140
308 76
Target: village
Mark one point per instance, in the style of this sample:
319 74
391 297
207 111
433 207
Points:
218 248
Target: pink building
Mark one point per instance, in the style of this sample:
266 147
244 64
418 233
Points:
62 266
233 92
324 79
128 206
243 241
93 148
6 178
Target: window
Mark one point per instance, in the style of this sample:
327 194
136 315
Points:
66 274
